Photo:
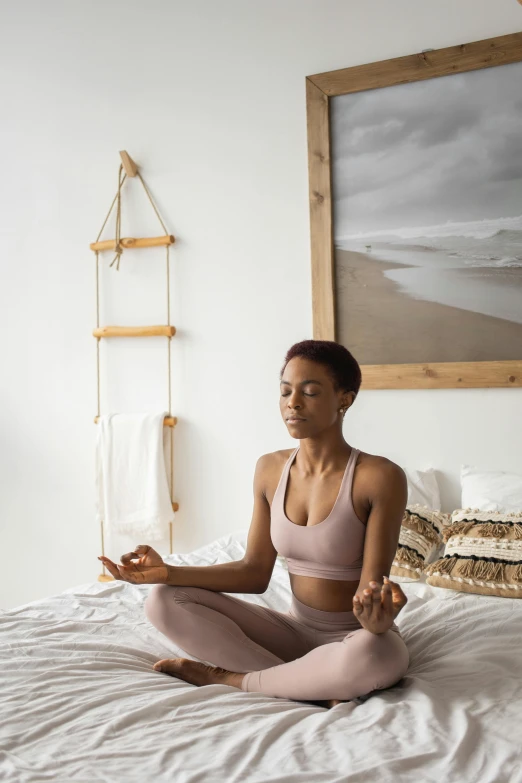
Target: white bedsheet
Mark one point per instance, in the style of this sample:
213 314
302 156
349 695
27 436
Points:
80 701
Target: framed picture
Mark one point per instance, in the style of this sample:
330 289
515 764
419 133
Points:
415 171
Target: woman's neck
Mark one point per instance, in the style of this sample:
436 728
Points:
322 455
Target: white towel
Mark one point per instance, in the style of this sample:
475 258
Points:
132 488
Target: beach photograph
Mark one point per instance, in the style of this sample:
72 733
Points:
427 215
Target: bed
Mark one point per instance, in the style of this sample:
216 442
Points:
80 701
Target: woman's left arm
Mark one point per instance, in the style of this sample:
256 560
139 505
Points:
376 605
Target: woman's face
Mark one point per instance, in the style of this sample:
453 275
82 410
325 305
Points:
308 401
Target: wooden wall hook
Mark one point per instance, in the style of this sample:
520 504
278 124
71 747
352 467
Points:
128 164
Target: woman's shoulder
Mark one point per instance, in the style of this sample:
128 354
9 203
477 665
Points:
273 459
272 463
269 468
375 467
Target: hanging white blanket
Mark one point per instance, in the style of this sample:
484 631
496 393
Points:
132 487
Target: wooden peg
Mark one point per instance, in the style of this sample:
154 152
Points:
128 164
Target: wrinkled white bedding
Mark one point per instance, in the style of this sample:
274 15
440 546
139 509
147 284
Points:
80 701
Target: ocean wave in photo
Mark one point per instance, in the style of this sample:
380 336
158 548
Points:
475 229
474 265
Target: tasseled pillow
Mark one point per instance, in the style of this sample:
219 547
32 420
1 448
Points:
483 554
420 539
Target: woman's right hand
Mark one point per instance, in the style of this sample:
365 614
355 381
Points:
144 566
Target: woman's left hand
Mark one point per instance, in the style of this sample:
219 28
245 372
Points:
379 607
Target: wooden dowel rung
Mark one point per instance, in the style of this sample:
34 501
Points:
168 421
132 242
135 331
175 506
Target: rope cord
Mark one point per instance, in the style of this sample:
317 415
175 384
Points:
116 260
98 326
152 202
117 244
110 210
169 377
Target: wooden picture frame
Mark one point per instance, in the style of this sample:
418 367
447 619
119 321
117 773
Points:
320 88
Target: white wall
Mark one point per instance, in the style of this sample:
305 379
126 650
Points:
209 98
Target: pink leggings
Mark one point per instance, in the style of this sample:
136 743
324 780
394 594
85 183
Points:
303 654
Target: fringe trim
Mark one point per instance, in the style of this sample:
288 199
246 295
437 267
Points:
480 569
421 525
406 555
445 566
475 568
456 529
484 529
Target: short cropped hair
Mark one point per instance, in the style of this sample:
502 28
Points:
340 363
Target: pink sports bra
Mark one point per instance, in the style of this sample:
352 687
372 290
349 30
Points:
332 549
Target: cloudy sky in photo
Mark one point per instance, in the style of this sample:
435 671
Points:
423 153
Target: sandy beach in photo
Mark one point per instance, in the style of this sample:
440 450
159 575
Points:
427 219
381 324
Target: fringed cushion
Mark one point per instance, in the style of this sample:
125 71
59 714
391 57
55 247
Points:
420 538
483 554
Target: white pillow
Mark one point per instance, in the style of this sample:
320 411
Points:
423 489
490 490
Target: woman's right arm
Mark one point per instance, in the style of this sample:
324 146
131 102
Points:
253 572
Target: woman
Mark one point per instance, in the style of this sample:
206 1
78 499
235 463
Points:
335 513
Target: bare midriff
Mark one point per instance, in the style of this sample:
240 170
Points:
328 595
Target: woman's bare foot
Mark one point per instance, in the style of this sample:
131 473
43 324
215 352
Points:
198 673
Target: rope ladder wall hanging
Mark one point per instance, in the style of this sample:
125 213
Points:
128 168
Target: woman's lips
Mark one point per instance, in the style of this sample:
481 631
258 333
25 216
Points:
295 421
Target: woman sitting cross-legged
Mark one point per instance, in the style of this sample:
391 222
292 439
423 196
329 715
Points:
334 512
